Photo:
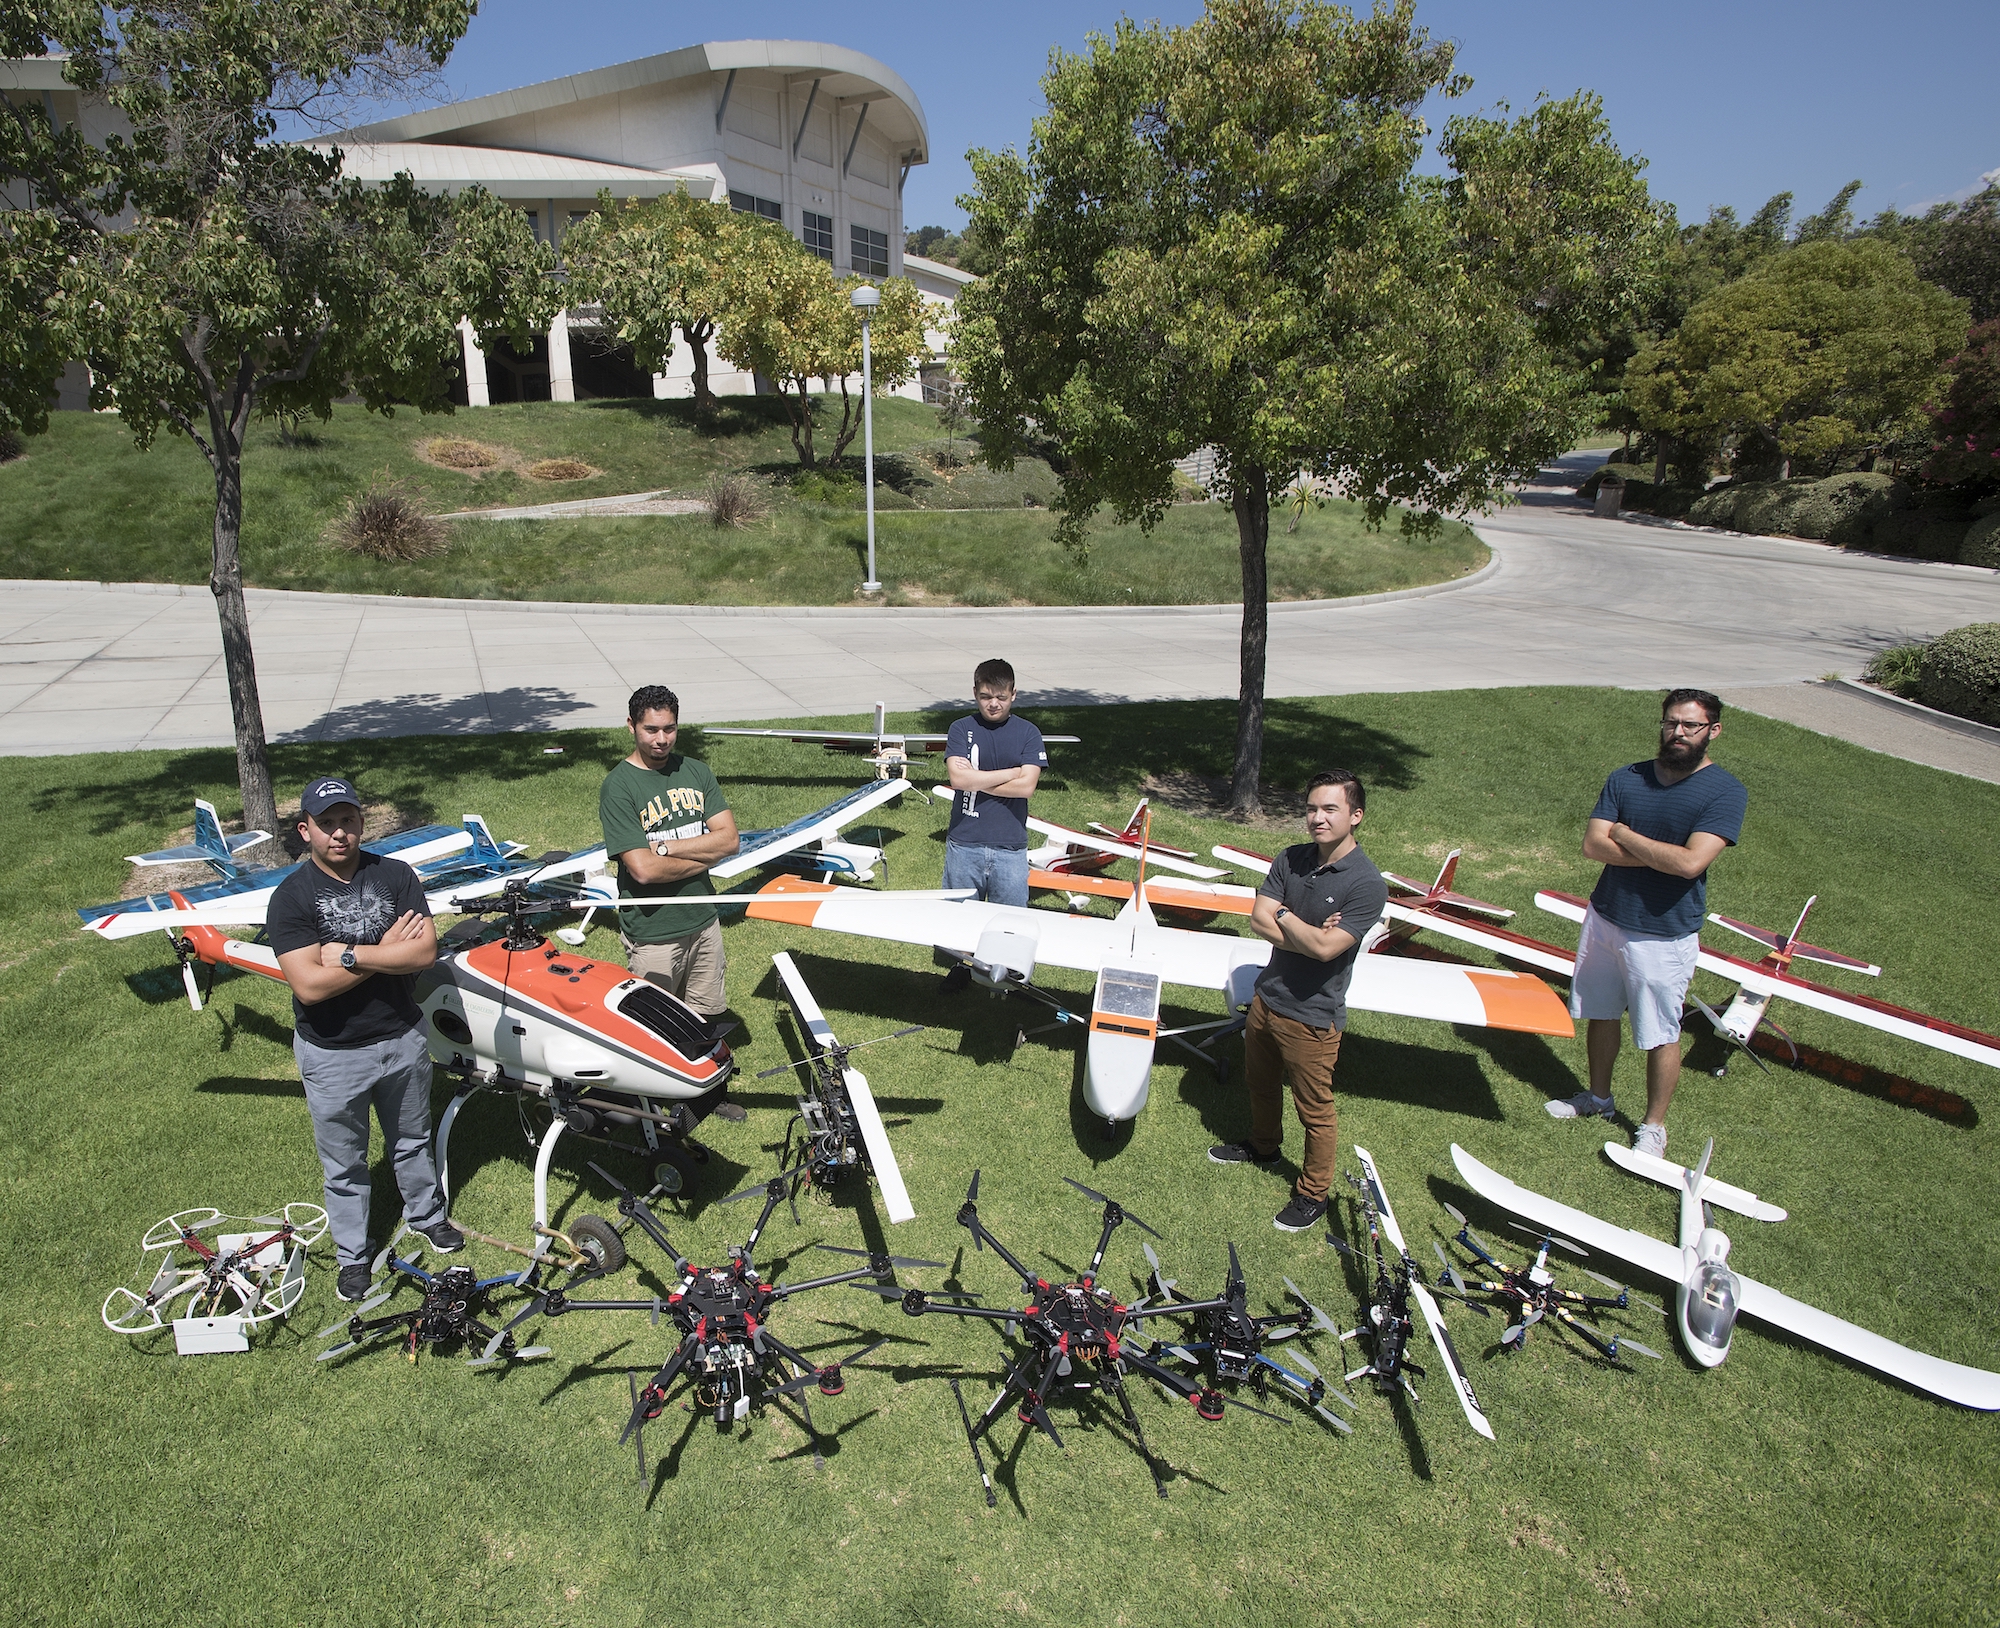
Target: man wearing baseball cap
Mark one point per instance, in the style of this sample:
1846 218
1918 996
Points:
350 930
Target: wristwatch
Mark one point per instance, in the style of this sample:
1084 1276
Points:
1284 910
347 959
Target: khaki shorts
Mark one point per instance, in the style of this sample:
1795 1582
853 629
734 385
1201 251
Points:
689 967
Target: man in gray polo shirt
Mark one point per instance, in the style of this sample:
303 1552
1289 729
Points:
1315 907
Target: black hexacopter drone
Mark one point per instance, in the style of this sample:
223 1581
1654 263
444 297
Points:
722 1314
1080 1338
1227 1342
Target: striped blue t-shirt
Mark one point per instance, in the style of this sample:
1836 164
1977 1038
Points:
1649 901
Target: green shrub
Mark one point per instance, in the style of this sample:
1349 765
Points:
1717 507
1982 542
1765 506
1899 669
1960 672
10 446
1943 540
1845 508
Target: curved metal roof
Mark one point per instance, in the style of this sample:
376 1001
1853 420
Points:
842 72
510 173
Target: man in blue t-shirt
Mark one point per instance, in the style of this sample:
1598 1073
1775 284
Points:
995 761
1657 827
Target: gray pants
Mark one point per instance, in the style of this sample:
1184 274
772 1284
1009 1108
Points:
395 1075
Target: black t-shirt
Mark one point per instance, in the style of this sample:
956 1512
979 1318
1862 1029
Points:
1297 986
310 907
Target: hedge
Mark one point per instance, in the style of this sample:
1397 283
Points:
1960 672
1982 542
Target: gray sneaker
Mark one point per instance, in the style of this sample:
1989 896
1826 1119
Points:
1582 1106
1650 1140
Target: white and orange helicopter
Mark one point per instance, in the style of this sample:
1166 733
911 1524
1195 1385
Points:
1133 957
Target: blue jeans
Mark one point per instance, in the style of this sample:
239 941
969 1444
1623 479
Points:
999 875
395 1077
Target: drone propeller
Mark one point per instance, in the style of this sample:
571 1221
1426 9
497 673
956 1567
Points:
389 1249
792 1387
881 1263
1614 1284
1623 1344
523 1355
361 1310
971 1202
1333 1419
1457 1282
1096 1197
1153 1261
1321 1322
1560 1242
761 1190
1230 1401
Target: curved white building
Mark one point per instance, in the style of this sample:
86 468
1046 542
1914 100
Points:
815 136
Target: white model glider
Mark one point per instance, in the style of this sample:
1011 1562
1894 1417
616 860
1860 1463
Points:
815 838
1711 1294
1461 1384
1133 956
889 752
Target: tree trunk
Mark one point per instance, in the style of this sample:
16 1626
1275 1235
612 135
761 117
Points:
1659 460
801 414
698 334
225 581
1251 500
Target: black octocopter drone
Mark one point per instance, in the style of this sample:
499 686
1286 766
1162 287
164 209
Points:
725 1349
1531 1293
1080 1338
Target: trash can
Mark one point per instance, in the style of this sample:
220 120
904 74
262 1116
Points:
1610 494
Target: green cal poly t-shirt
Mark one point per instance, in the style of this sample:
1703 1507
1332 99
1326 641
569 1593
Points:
639 808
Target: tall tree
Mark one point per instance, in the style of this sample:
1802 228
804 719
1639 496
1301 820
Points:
786 316
1219 238
1820 352
656 266
209 272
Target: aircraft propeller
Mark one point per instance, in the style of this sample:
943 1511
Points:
1096 1197
1549 1237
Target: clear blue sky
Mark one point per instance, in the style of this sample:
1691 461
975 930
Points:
1729 102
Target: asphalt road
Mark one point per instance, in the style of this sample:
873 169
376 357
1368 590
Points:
1568 599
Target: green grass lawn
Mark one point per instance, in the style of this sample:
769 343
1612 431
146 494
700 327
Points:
1785 1487
85 504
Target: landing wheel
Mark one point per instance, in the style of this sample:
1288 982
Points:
598 1239
675 1168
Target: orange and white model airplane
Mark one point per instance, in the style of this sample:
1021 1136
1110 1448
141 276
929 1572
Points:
1133 956
1437 909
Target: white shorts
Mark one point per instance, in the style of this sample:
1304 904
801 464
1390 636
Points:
1619 971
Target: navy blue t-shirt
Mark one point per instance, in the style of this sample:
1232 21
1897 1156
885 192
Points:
977 819
1649 901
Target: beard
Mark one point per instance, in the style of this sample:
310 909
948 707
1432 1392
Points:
1678 752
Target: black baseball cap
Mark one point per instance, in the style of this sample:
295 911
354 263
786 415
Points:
321 795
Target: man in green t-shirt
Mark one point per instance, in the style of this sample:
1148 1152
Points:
665 822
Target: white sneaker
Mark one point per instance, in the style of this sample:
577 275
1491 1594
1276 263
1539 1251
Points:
1650 1140
1582 1106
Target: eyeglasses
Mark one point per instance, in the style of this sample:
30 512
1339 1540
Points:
1674 726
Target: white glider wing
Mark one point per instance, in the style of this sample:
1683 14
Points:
760 847
1954 1381
1475 1415
1662 1260
1155 860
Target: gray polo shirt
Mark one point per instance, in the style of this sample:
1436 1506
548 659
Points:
1297 986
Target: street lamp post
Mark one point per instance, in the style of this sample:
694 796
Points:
864 299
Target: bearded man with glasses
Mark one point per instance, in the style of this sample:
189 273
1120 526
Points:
1656 829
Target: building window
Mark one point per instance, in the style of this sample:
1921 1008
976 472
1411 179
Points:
817 234
871 252
534 223
748 203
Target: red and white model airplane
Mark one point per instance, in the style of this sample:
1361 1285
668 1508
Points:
1437 909
1133 956
888 751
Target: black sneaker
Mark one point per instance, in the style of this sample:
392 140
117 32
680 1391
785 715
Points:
1241 1153
1300 1214
352 1284
442 1236
958 979
734 1112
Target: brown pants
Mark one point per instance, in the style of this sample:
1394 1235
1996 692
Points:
1274 1046
689 967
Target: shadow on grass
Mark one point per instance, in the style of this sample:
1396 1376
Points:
406 771
509 711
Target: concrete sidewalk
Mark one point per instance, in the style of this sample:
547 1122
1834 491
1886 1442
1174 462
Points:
1568 599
